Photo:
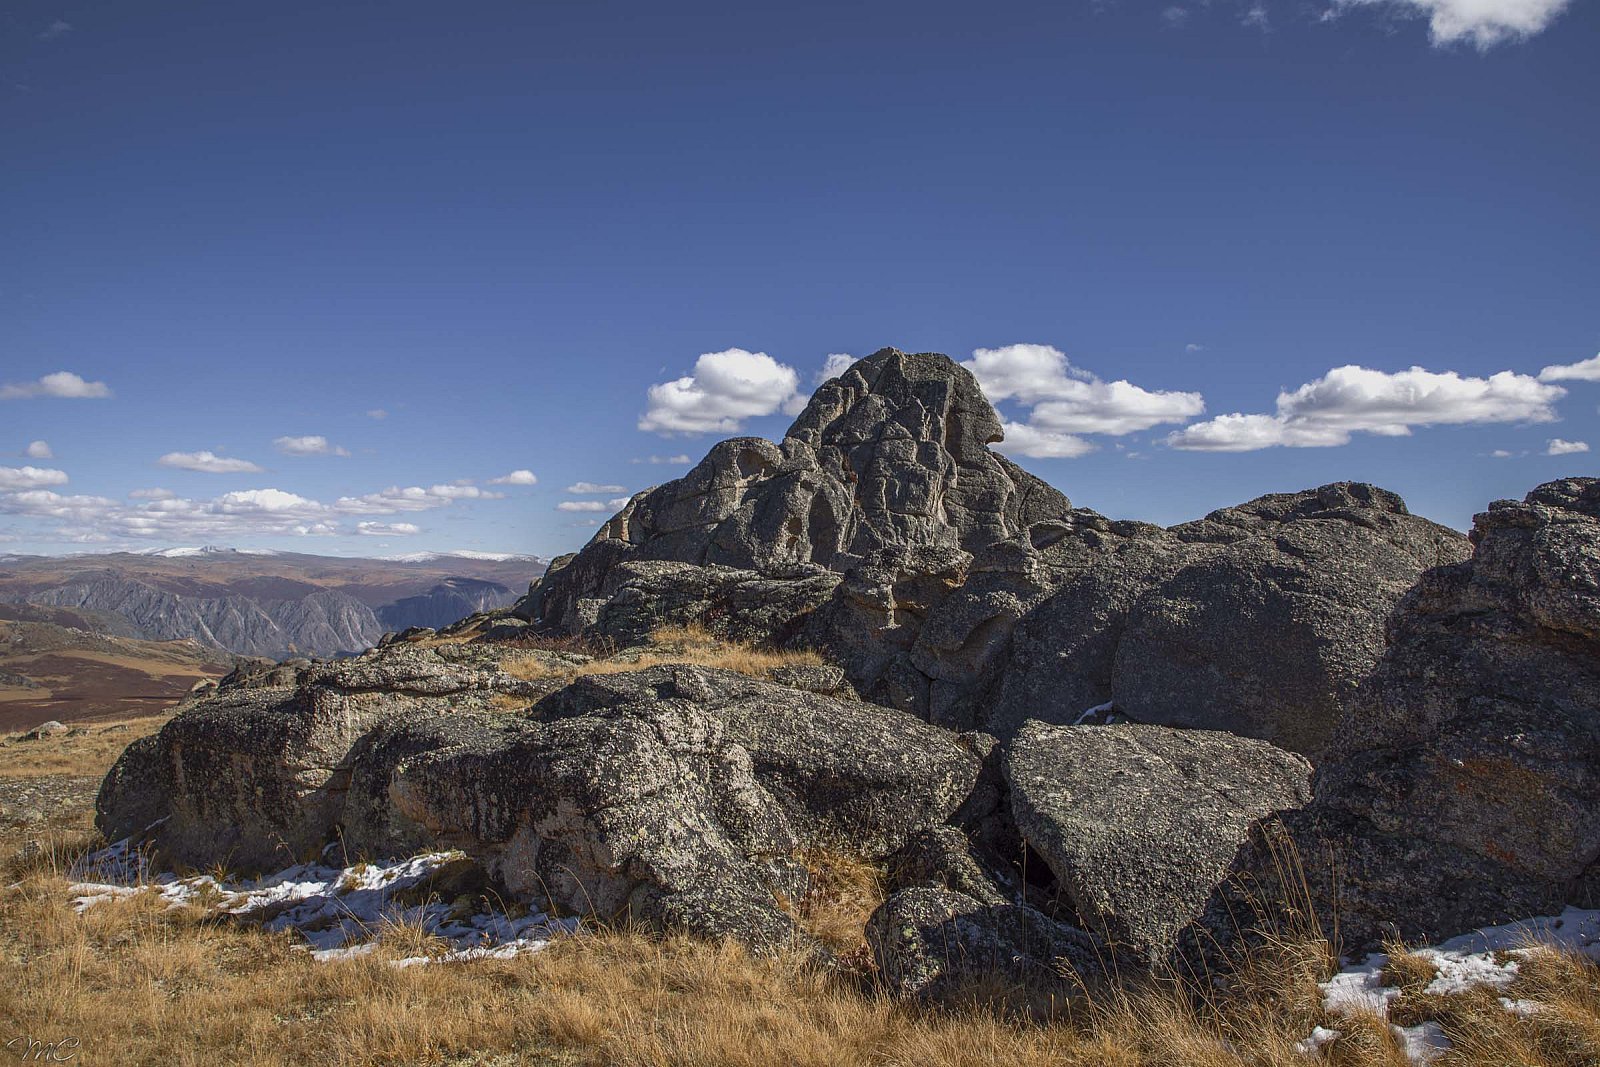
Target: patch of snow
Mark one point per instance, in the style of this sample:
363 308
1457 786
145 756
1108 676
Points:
1422 1043
465 553
1483 958
1320 1036
1089 714
340 911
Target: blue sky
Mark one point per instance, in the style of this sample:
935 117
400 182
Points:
500 225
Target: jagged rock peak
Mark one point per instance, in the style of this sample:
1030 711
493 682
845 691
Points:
892 454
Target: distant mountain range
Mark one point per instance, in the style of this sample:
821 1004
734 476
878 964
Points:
264 603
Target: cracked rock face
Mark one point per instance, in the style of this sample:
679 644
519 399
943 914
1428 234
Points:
678 795
1460 791
892 454
1139 823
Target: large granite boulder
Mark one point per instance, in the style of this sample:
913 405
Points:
1260 620
256 775
848 775
1140 823
1460 789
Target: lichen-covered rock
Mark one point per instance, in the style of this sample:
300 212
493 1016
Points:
848 775
1460 790
928 941
614 814
1139 823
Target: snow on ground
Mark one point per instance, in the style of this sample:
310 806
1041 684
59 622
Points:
340 911
1486 957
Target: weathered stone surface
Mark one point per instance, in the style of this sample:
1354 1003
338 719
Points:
613 814
1140 823
847 774
1260 619
892 454
677 795
928 941
741 605
945 857
1460 789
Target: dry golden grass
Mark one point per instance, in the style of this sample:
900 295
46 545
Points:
89 753
844 893
676 644
1406 969
138 984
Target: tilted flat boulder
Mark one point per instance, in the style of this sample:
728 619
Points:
1460 790
1139 823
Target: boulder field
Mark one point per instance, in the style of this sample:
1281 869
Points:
1073 742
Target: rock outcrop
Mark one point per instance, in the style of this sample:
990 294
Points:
678 795
890 456
951 584
1460 789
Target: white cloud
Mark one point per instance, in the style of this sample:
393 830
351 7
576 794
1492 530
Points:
516 477
1558 447
309 445
38 450
582 505
671 460
1501 453
1350 399
62 384
725 389
1023 440
1192 348
394 499
377 413
1587 370
1175 16
1068 400
1481 23
58 28
618 503
30 477
160 514
387 529
591 488
836 364
208 463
